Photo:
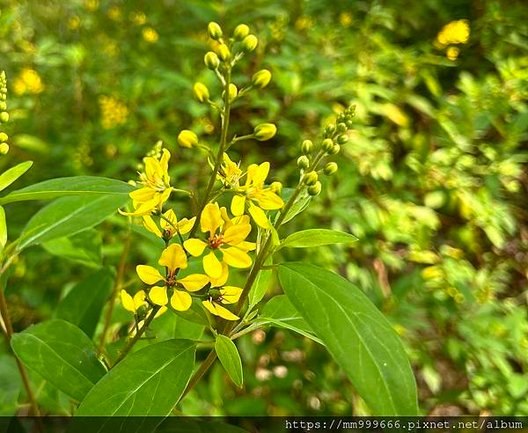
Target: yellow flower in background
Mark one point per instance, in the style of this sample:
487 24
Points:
455 32
138 18
452 53
74 23
228 236
150 35
256 196
28 81
345 19
113 112
114 13
224 295
168 225
91 5
173 258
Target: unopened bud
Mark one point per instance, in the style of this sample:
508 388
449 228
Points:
341 127
3 137
223 52
342 139
310 178
315 189
4 148
329 130
328 144
249 43
233 91
201 92
261 78
334 149
303 162
3 105
241 31
330 168
187 139
214 30
264 131
349 124
4 117
211 60
276 187
307 147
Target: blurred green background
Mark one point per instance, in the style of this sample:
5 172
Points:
433 181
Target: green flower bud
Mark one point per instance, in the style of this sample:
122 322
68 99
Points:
233 91
334 150
4 117
264 131
307 147
211 60
249 43
4 148
341 127
329 130
349 124
276 187
261 78
214 31
303 162
201 92
342 139
241 31
187 139
223 52
3 137
330 168
310 178
328 144
3 105
315 189
3 96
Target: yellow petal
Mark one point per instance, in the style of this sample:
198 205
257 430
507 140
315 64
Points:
142 195
139 299
236 257
212 265
218 310
236 233
160 312
247 246
158 295
230 294
145 208
148 274
151 226
238 204
163 197
251 173
173 257
194 282
127 301
259 216
222 279
195 247
268 200
152 168
261 173
164 165
180 300
185 225
211 218
169 221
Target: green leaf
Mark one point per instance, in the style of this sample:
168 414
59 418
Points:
230 358
67 216
260 286
62 354
148 382
316 238
299 206
83 304
3 229
9 176
64 186
356 334
10 384
84 247
280 312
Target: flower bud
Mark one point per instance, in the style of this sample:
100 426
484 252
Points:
276 187
334 150
4 148
328 144
241 31
264 131
261 78
3 105
342 139
211 60
307 147
201 92
341 127
329 130
303 162
310 178
223 52
4 117
187 139
214 31
349 124
233 91
3 137
330 168
315 189
249 43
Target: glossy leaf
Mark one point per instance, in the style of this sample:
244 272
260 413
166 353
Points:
9 176
299 206
62 354
83 304
64 186
84 247
3 228
230 358
148 382
10 385
356 334
67 216
316 238
260 286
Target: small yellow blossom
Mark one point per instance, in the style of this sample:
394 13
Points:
138 18
345 19
452 53
168 225
74 23
113 112
150 35
225 295
229 172
455 32
228 236
114 13
28 81
133 304
91 5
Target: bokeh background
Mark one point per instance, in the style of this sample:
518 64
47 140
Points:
433 181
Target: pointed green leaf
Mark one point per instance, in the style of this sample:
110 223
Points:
84 247
230 358
260 286
356 334
9 176
62 354
64 186
83 304
10 384
67 216
148 382
316 238
299 206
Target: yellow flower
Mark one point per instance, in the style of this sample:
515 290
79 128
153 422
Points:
113 112
173 258
258 197
452 53
28 81
168 225
229 173
150 35
156 186
133 304
225 295
455 32
226 236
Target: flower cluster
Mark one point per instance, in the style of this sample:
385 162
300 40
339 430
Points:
453 33
4 115
113 112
